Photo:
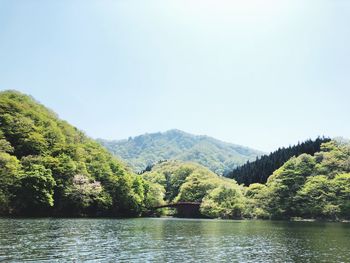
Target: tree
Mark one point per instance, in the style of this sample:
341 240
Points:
23 135
254 205
259 170
196 186
35 193
324 197
317 198
285 182
9 180
341 186
225 201
154 195
333 159
86 197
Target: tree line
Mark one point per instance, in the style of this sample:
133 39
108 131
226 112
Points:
307 186
259 170
50 168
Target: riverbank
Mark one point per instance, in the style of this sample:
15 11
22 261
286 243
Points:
292 219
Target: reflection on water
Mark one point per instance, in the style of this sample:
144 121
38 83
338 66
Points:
172 240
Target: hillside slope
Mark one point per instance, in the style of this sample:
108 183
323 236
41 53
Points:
259 170
48 167
147 149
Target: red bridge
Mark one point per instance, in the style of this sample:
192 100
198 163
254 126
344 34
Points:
184 209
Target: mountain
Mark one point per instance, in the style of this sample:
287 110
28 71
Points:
50 168
147 149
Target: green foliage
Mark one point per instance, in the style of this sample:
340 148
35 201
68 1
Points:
225 201
285 182
86 197
255 205
333 159
189 182
296 189
145 150
311 186
259 170
154 195
5 146
9 180
35 194
324 197
42 158
316 197
196 186
182 181
48 167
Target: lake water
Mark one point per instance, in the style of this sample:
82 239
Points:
172 240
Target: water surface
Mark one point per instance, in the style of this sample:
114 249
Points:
172 240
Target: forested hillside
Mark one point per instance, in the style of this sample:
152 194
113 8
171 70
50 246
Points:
191 182
306 186
259 170
48 167
148 149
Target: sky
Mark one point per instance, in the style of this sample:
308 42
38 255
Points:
263 74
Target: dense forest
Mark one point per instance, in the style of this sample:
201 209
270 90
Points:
147 149
306 186
48 167
259 170
190 182
184 181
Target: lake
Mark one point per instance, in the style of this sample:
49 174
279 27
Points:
172 240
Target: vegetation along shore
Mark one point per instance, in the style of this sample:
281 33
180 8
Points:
50 168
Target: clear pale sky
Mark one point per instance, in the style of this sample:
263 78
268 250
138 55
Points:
258 73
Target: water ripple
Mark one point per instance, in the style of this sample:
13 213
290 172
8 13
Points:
171 240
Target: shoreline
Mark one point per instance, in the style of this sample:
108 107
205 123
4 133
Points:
293 219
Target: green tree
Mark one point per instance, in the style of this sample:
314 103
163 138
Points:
86 197
254 206
154 195
333 159
9 180
35 194
285 182
225 201
341 184
196 186
317 198
23 135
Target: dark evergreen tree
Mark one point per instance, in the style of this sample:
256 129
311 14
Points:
259 170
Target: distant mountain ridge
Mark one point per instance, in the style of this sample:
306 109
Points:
149 148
